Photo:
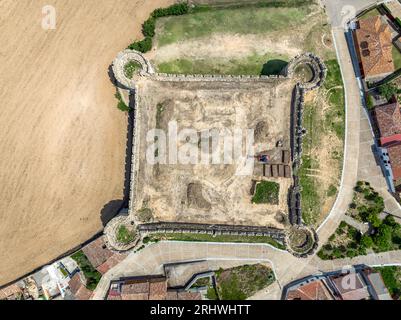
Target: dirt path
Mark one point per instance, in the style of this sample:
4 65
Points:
62 137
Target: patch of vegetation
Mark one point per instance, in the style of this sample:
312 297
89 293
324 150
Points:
370 13
145 214
210 238
148 27
91 274
131 68
366 204
349 242
121 104
332 191
247 20
242 282
392 279
396 58
124 235
318 124
267 64
388 90
266 192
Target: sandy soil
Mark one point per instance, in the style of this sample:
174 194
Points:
211 193
62 137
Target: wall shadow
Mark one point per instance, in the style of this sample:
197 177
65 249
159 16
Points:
273 67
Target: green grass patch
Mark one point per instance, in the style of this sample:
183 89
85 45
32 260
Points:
131 68
266 192
332 191
247 20
392 279
210 238
268 64
370 13
91 274
242 282
396 58
121 104
124 235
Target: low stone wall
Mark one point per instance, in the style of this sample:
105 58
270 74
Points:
212 229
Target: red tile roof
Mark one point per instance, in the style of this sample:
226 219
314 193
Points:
97 252
78 289
374 46
394 153
315 290
388 119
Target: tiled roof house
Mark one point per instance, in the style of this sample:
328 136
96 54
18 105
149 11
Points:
374 48
388 122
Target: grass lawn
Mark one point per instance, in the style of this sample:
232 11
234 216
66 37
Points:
242 282
91 274
131 68
124 235
266 192
396 58
209 238
268 64
392 279
246 20
320 124
371 13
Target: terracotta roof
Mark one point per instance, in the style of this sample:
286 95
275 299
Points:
78 289
315 290
356 291
158 290
97 252
9 291
388 119
115 259
374 46
394 153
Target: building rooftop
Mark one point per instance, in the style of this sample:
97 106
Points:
97 252
350 287
315 290
394 154
374 47
388 120
78 289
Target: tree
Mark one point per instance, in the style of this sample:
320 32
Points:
383 239
366 241
374 220
388 90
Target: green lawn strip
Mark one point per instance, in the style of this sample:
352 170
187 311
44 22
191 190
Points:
396 58
242 282
266 192
91 274
311 200
267 64
246 20
370 13
392 279
210 238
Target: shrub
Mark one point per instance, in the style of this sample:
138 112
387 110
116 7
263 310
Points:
374 220
174 10
366 241
383 238
143 46
369 102
148 27
388 90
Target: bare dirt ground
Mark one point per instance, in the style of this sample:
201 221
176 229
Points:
211 193
62 138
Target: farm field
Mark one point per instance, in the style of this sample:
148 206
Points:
63 139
